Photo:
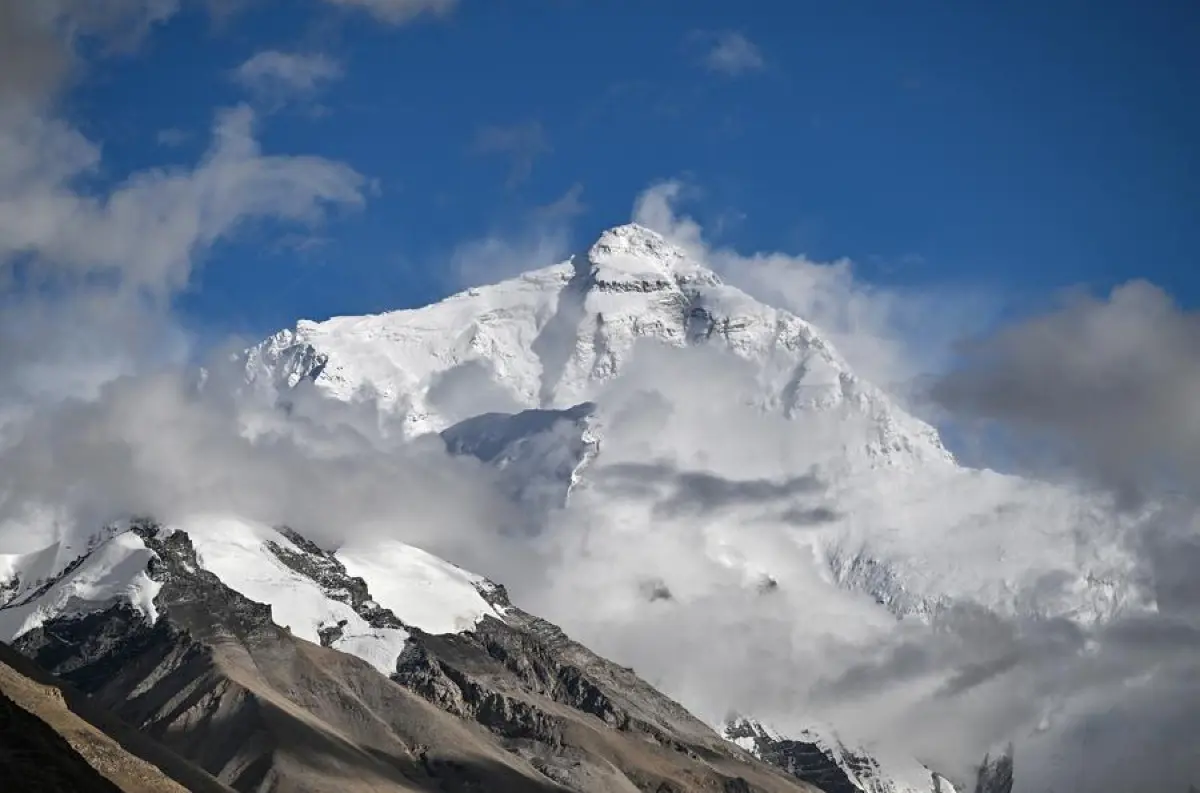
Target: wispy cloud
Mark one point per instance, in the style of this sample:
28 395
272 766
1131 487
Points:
117 255
540 238
566 206
276 77
398 12
521 143
150 229
732 53
507 253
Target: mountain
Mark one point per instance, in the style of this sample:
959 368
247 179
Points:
547 339
263 660
525 373
721 494
534 375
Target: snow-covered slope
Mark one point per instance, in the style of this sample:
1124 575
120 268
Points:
422 590
323 597
110 570
552 337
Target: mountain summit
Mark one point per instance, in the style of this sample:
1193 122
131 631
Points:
552 338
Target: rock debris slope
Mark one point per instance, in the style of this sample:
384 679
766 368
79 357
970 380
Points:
52 739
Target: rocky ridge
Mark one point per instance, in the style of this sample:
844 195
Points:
834 767
511 705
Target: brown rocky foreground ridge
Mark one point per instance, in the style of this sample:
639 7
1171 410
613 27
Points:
53 738
213 696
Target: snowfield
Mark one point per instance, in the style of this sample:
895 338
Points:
419 588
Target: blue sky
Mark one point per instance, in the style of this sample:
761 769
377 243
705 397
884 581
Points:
1021 146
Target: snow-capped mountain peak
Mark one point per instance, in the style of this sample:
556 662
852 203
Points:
633 257
553 338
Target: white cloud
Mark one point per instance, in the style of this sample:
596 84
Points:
88 265
733 54
150 228
507 253
277 76
398 12
146 232
568 205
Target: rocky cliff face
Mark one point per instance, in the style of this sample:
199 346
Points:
582 721
995 774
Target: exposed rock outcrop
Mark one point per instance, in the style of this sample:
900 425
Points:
996 774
